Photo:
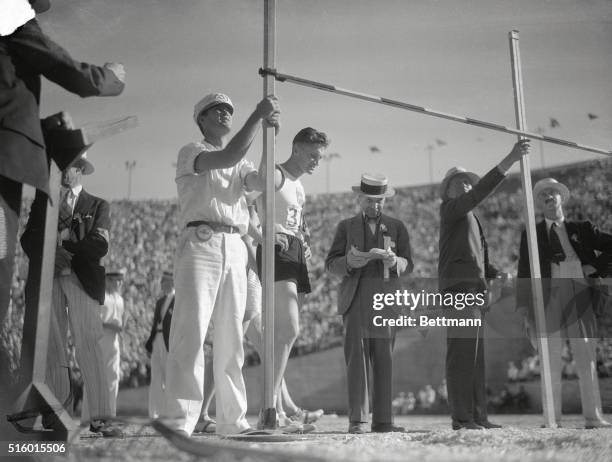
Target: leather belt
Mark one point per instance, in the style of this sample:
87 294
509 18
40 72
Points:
216 227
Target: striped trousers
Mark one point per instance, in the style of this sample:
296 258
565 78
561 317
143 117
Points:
70 305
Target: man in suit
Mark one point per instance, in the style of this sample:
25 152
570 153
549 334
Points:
464 268
25 56
386 242
157 346
112 314
78 289
568 252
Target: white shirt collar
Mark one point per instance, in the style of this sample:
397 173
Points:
550 222
75 191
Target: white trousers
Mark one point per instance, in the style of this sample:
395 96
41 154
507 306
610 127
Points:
112 369
157 390
70 304
582 345
210 282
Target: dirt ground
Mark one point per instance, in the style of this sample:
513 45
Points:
428 438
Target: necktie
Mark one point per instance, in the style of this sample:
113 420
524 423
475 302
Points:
65 213
558 255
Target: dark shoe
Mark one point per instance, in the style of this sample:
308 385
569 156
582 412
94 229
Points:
488 425
387 428
592 424
107 429
357 428
466 426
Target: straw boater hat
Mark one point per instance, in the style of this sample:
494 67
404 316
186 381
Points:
452 173
87 167
374 185
551 183
210 100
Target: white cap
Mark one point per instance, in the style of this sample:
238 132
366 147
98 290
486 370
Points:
210 100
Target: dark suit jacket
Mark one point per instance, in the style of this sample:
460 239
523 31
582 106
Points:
165 323
464 258
350 232
584 238
89 240
25 56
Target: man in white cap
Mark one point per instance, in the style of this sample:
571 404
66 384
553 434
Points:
112 314
210 263
369 252
78 289
464 268
568 254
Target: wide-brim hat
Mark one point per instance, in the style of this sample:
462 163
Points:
374 185
210 100
551 183
452 173
86 167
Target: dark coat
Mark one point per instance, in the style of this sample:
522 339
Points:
464 259
585 238
165 323
350 232
89 240
25 56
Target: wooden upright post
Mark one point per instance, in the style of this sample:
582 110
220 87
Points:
532 241
268 414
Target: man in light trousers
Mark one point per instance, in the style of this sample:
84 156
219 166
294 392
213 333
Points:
210 277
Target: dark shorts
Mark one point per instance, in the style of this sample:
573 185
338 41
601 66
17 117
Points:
289 265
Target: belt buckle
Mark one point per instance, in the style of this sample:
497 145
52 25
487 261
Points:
204 232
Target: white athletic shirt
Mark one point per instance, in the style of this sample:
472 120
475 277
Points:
289 202
213 195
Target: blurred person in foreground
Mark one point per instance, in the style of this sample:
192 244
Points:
464 268
26 55
573 254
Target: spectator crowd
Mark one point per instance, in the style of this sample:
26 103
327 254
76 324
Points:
144 233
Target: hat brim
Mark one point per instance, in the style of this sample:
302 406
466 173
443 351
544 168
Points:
389 193
474 179
563 190
210 106
86 167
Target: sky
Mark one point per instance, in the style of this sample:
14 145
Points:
447 55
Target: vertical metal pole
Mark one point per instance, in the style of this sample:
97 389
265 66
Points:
268 416
532 243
